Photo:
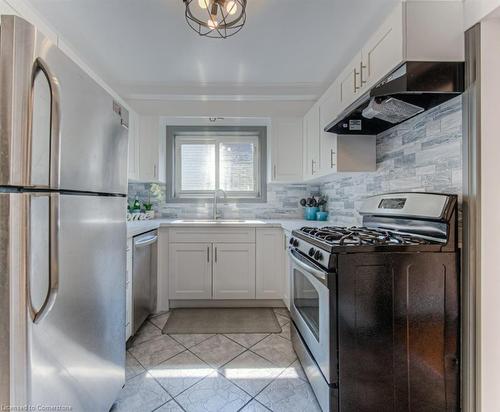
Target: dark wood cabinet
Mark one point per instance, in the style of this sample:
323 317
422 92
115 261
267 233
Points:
398 322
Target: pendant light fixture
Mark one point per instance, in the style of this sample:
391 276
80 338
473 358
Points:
216 18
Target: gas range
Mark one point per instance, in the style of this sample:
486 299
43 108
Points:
375 294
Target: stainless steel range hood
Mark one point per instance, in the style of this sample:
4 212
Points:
411 89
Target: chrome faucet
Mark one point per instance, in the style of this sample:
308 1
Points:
216 214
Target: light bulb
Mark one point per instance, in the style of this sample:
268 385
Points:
212 23
231 7
203 4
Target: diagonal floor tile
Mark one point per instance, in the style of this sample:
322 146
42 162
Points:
287 394
170 406
282 320
276 349
282 312
180 372
156 350
254 406
192 339
146 332
217 350
140 394
247 339
295 371
285 332
250 372
132 367
213 394
160 320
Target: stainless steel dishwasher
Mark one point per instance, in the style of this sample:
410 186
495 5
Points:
144 277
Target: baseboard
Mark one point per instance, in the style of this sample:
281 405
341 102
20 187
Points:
250 303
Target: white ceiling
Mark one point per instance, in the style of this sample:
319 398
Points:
145 49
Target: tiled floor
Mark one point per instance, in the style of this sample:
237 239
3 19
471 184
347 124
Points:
212 373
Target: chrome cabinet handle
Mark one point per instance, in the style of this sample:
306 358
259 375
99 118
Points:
154 170
274 171
54 232
332 163
356 87
361 68
39 65
208 253
215 254
313 162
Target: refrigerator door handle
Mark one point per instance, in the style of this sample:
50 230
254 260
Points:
54 229
40 65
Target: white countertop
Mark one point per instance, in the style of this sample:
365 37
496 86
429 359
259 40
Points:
137 227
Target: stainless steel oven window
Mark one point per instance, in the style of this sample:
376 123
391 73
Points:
306 301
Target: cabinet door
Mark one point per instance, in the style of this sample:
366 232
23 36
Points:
234 271
269 263
349 83
190 271
133 149
328 146
384 51
150 150
128 290
287 271
312 142
286 150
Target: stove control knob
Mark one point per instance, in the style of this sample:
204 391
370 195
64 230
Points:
295 242
291 240
318 255
311 252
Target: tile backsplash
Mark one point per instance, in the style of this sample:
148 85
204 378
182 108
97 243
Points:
422 154
282 202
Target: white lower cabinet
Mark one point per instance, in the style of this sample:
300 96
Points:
269 275
128 291
287 293
234 271
190 271
229 263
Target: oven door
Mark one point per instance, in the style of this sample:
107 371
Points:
310 308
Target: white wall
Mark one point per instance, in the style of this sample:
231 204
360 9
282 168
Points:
477 10
23 9
489 333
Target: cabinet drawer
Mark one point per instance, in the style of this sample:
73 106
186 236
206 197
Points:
212 234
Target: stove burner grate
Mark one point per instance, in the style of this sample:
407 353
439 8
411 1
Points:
358 236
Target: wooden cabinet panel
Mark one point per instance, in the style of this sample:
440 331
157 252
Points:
234 271
190 271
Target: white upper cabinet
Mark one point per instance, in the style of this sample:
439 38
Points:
147 146
312 143
133 148
350 82
286 150
383 52
151 150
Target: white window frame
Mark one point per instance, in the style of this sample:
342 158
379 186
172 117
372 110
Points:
217 139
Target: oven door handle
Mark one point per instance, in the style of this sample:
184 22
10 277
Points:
320 274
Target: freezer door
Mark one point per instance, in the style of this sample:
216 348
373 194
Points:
77 341
59 128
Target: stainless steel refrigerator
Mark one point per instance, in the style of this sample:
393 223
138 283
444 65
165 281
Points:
63 180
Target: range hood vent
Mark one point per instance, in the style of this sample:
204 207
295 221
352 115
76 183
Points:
410 90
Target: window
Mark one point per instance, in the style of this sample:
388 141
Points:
207 159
